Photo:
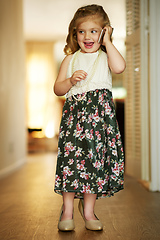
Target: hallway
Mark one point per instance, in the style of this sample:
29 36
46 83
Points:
29 210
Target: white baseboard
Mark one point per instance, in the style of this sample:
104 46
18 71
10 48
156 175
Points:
13 167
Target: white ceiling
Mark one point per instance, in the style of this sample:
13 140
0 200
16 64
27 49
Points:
49 19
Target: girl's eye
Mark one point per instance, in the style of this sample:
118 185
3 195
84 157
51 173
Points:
93 31
80 31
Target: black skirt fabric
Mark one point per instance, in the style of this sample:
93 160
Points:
90 152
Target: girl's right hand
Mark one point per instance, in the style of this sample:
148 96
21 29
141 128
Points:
78 76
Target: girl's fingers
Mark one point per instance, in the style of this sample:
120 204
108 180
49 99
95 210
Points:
79 75
81 72
109 29
108 34
79 78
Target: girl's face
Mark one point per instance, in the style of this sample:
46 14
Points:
88 33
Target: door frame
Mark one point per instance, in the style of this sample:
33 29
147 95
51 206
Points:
154 52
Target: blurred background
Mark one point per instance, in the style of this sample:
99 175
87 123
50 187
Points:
32 38
45 30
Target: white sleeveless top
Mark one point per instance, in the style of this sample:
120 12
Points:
96 66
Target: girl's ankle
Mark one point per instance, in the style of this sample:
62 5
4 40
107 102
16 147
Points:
66 216
89 216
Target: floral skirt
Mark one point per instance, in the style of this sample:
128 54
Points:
90 152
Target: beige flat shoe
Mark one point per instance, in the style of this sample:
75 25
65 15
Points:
94 225
66 225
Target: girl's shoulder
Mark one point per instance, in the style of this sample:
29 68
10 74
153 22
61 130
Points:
66 61
67 58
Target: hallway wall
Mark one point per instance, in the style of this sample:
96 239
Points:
12 87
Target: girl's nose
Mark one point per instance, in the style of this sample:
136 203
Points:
87 35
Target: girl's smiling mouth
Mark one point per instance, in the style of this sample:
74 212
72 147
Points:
88 44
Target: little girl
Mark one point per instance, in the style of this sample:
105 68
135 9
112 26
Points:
90 161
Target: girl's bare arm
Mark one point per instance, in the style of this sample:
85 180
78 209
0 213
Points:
63 84
116 62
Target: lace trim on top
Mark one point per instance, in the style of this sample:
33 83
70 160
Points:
96 66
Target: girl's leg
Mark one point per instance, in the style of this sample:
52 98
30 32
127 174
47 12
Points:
68 203
89 203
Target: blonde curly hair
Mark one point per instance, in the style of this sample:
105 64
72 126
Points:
88 11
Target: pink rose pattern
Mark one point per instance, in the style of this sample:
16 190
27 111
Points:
90 152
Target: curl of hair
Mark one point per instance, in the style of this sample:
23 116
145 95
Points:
87 11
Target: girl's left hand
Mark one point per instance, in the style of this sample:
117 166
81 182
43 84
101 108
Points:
108 34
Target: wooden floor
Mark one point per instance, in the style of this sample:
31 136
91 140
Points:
29 210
